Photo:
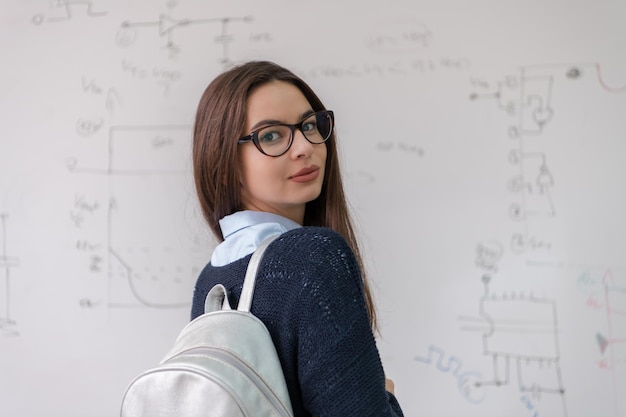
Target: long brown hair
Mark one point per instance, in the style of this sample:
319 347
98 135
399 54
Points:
220 121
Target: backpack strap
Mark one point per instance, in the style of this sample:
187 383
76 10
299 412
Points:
216 299
248 283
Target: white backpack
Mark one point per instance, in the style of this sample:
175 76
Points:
223 363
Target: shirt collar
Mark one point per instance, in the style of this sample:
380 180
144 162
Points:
240 220
244 231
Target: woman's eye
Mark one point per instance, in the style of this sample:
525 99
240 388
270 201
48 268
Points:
269 136
309 126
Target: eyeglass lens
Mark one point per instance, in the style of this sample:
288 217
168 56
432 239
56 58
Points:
275 139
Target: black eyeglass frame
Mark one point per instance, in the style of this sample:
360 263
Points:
254 135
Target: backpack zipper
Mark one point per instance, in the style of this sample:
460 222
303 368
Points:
242 367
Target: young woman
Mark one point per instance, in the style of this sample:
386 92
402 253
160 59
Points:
265 163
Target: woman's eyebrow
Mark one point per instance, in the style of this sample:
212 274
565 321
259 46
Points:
266 122
306 114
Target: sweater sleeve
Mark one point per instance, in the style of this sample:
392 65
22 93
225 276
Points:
339 367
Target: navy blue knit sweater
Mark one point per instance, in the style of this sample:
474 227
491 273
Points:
309 294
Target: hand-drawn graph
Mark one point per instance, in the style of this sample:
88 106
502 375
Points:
520 335
148 167
7 262
150 262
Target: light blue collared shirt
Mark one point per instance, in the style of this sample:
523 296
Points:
244 231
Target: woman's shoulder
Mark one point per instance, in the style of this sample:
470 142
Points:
314 236
311 242
315 248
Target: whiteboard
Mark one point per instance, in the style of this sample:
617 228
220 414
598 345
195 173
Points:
483 149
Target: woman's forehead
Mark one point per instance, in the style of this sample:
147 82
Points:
277 100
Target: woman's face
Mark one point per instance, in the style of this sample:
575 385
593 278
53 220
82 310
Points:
284 184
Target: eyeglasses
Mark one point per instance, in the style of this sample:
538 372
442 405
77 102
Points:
276 139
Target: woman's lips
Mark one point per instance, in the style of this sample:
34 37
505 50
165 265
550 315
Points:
306 174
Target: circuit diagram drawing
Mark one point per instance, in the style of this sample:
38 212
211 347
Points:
528 100
64 10
535 184
166 27
546 120
520 336
149 189
8 325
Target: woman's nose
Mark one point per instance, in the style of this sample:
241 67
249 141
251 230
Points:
301 146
